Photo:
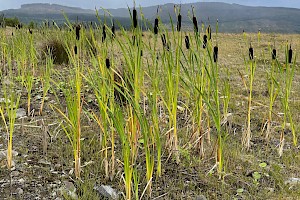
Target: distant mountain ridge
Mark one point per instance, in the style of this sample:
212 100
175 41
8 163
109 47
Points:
47 8
42 8
232 17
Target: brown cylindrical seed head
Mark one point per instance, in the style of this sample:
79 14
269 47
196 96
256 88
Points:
113 31
209 32
216 51
251 53
195 24
134 18
103 33
179 22
75 50
187 42
156 26
290 54
204 41
77 30
107 62
274 54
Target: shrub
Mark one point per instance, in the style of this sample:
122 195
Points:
57 50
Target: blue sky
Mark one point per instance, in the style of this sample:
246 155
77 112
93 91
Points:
7 4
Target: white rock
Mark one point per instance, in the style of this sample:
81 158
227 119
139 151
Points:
15 173
21 112
44 162
3 154
19 191
69 189
107 191
292 181
21 181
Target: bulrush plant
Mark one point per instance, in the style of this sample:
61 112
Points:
72 93
153 96
226 98
273 89
212 99
120 126
101 78
250 68
285 93
46 80
171 65
9 108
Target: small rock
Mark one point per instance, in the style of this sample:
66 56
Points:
201 197
21 112
57 166
106 191
271 190
15 173
3 100
69 189
6 81
19 191
44 162
21 181
3 154
292 181
53 194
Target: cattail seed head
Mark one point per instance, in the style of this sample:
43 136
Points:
195 24
274 54
77 30
107 63
156 26
75 50
251 53
216 51
209 32
134 15
103 33
204 41
187 42
290 54
113 31
156 22
179 22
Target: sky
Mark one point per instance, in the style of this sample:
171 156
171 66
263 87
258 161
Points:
91 4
